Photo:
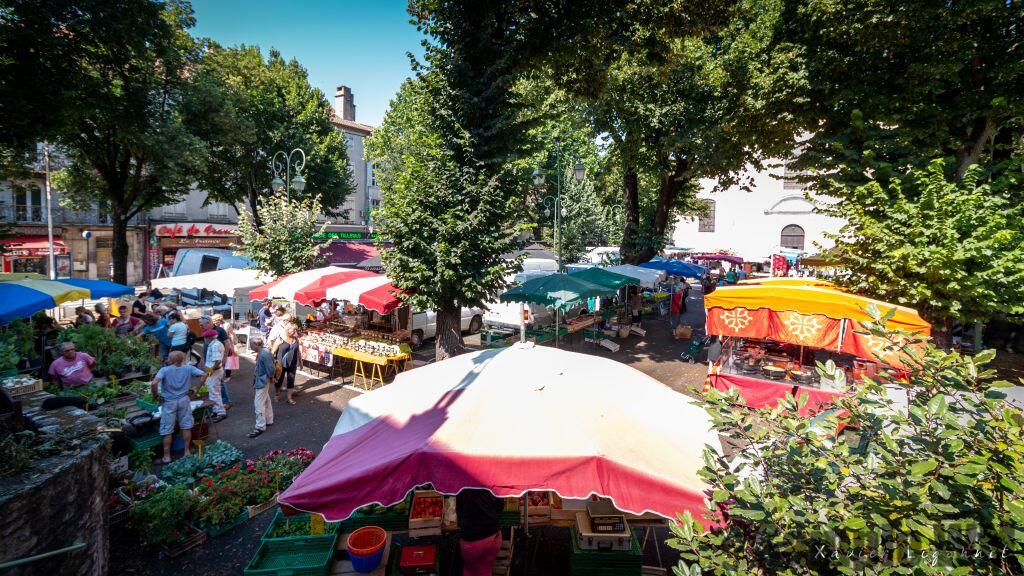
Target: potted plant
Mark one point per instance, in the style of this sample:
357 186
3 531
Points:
163 520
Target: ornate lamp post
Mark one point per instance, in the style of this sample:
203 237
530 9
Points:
554 204
285 165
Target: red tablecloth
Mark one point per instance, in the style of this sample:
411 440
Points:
758 393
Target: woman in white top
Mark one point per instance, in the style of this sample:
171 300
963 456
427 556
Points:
177 333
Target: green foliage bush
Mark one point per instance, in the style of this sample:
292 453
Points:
932 489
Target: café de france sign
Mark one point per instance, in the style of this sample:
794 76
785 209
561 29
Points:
195 230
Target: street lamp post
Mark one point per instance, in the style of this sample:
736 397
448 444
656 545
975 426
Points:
276 166
555 204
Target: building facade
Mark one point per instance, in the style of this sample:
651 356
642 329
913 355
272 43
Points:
775 217
83 240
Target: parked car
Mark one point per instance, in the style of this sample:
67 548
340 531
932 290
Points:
198 260
424 324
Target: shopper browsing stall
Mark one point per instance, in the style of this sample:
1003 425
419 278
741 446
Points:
288 354
171 386
177 333
207 323
73 368
480 530
213 361
125 324
261 382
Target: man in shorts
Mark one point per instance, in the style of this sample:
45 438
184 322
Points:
175 383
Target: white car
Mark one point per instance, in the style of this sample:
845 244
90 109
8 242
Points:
424 324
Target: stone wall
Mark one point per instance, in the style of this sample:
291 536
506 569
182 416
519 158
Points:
61 501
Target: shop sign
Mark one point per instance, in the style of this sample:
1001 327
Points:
347 236
195 229
197 242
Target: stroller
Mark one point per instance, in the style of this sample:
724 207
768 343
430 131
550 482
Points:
696 345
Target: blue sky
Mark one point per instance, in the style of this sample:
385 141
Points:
360 44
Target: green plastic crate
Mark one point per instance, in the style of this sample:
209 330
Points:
510 518
606 562
217 530
147 406
279 518
150 440
306 557
392 521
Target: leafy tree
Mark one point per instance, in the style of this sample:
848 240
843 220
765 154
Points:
888 88
246 108
452 197
581 220
286 242
954 250
447 224
43 43
127 148
934 488
684 92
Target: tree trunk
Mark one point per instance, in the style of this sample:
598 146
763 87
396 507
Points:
448 342
253 203
119 250
628 250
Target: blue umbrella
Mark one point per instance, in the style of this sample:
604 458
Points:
23 298
676 267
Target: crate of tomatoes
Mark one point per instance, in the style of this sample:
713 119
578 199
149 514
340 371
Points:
425 513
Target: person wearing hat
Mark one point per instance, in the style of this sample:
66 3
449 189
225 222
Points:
214 363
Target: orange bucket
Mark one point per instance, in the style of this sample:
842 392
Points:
367 541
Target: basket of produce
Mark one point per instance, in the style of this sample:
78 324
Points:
294 527
19 385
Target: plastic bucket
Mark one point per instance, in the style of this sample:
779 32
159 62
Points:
177 443
366 548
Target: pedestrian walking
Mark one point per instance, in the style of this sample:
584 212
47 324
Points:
213 361
261 382
288 354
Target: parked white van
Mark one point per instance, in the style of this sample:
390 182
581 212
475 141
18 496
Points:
424 324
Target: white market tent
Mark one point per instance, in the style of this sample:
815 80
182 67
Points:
450 423
648 278
225 281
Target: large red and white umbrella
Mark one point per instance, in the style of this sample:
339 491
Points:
511 420
372 290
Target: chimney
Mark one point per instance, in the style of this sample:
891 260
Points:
344 103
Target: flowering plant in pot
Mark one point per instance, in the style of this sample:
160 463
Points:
222 498
163 518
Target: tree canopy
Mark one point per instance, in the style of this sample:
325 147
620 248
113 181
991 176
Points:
953 250
890 88
127 146
246 108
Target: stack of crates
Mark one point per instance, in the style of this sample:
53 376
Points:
606 562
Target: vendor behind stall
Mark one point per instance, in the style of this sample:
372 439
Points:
480 531
73 368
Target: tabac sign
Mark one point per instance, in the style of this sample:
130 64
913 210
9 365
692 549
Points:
195 230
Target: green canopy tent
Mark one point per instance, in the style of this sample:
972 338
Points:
603 277
559 291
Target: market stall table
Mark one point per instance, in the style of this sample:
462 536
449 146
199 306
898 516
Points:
380 365
759 393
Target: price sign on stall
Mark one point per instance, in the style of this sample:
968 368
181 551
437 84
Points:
316 524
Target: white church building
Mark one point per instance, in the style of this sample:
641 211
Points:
773 217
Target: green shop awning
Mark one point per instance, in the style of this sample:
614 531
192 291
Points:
603 277
556 291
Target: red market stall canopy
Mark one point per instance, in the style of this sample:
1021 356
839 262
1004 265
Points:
32 246
717 257
371 290
804 315
452 424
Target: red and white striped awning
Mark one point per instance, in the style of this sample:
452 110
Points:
374 291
